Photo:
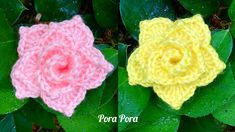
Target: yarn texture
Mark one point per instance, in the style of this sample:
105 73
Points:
174 58
58 62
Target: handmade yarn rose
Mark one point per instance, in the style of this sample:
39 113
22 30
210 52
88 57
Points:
58 63
174 58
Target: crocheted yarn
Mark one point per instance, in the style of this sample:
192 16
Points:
174 58
58 63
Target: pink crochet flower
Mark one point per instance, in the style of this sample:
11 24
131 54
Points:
58 63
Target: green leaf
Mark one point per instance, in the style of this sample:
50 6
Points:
207 99
36 114
226 2
222 41
95 98
90 121
110 55
106 12
6 32
122 54
226 113
131 99
232 62
8 57
134 11
12 9
231 11
1 117
154 119
110 88
8 46
203 7
232 29
203 124
15 123
9 102
102 46
57 10
90 21
22 124
7 124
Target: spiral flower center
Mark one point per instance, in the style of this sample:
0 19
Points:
58 65
175 58
172 56
62 65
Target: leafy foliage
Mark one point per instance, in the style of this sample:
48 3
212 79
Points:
37 115
104 12
222 41
7 124
205 124
89 121
131 99
133 11
154 118
122 54
12 9
226 112
231 13
57 9
206 8
9 103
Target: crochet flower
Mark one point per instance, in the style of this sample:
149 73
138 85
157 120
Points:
174 58
58 63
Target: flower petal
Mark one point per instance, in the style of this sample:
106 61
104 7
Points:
66 102
197 25
76 28
24 75
56 36
136 67
30 36
214 65
175 95
181 31
97 77
95 67
153 31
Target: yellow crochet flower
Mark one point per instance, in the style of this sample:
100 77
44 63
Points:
174 58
